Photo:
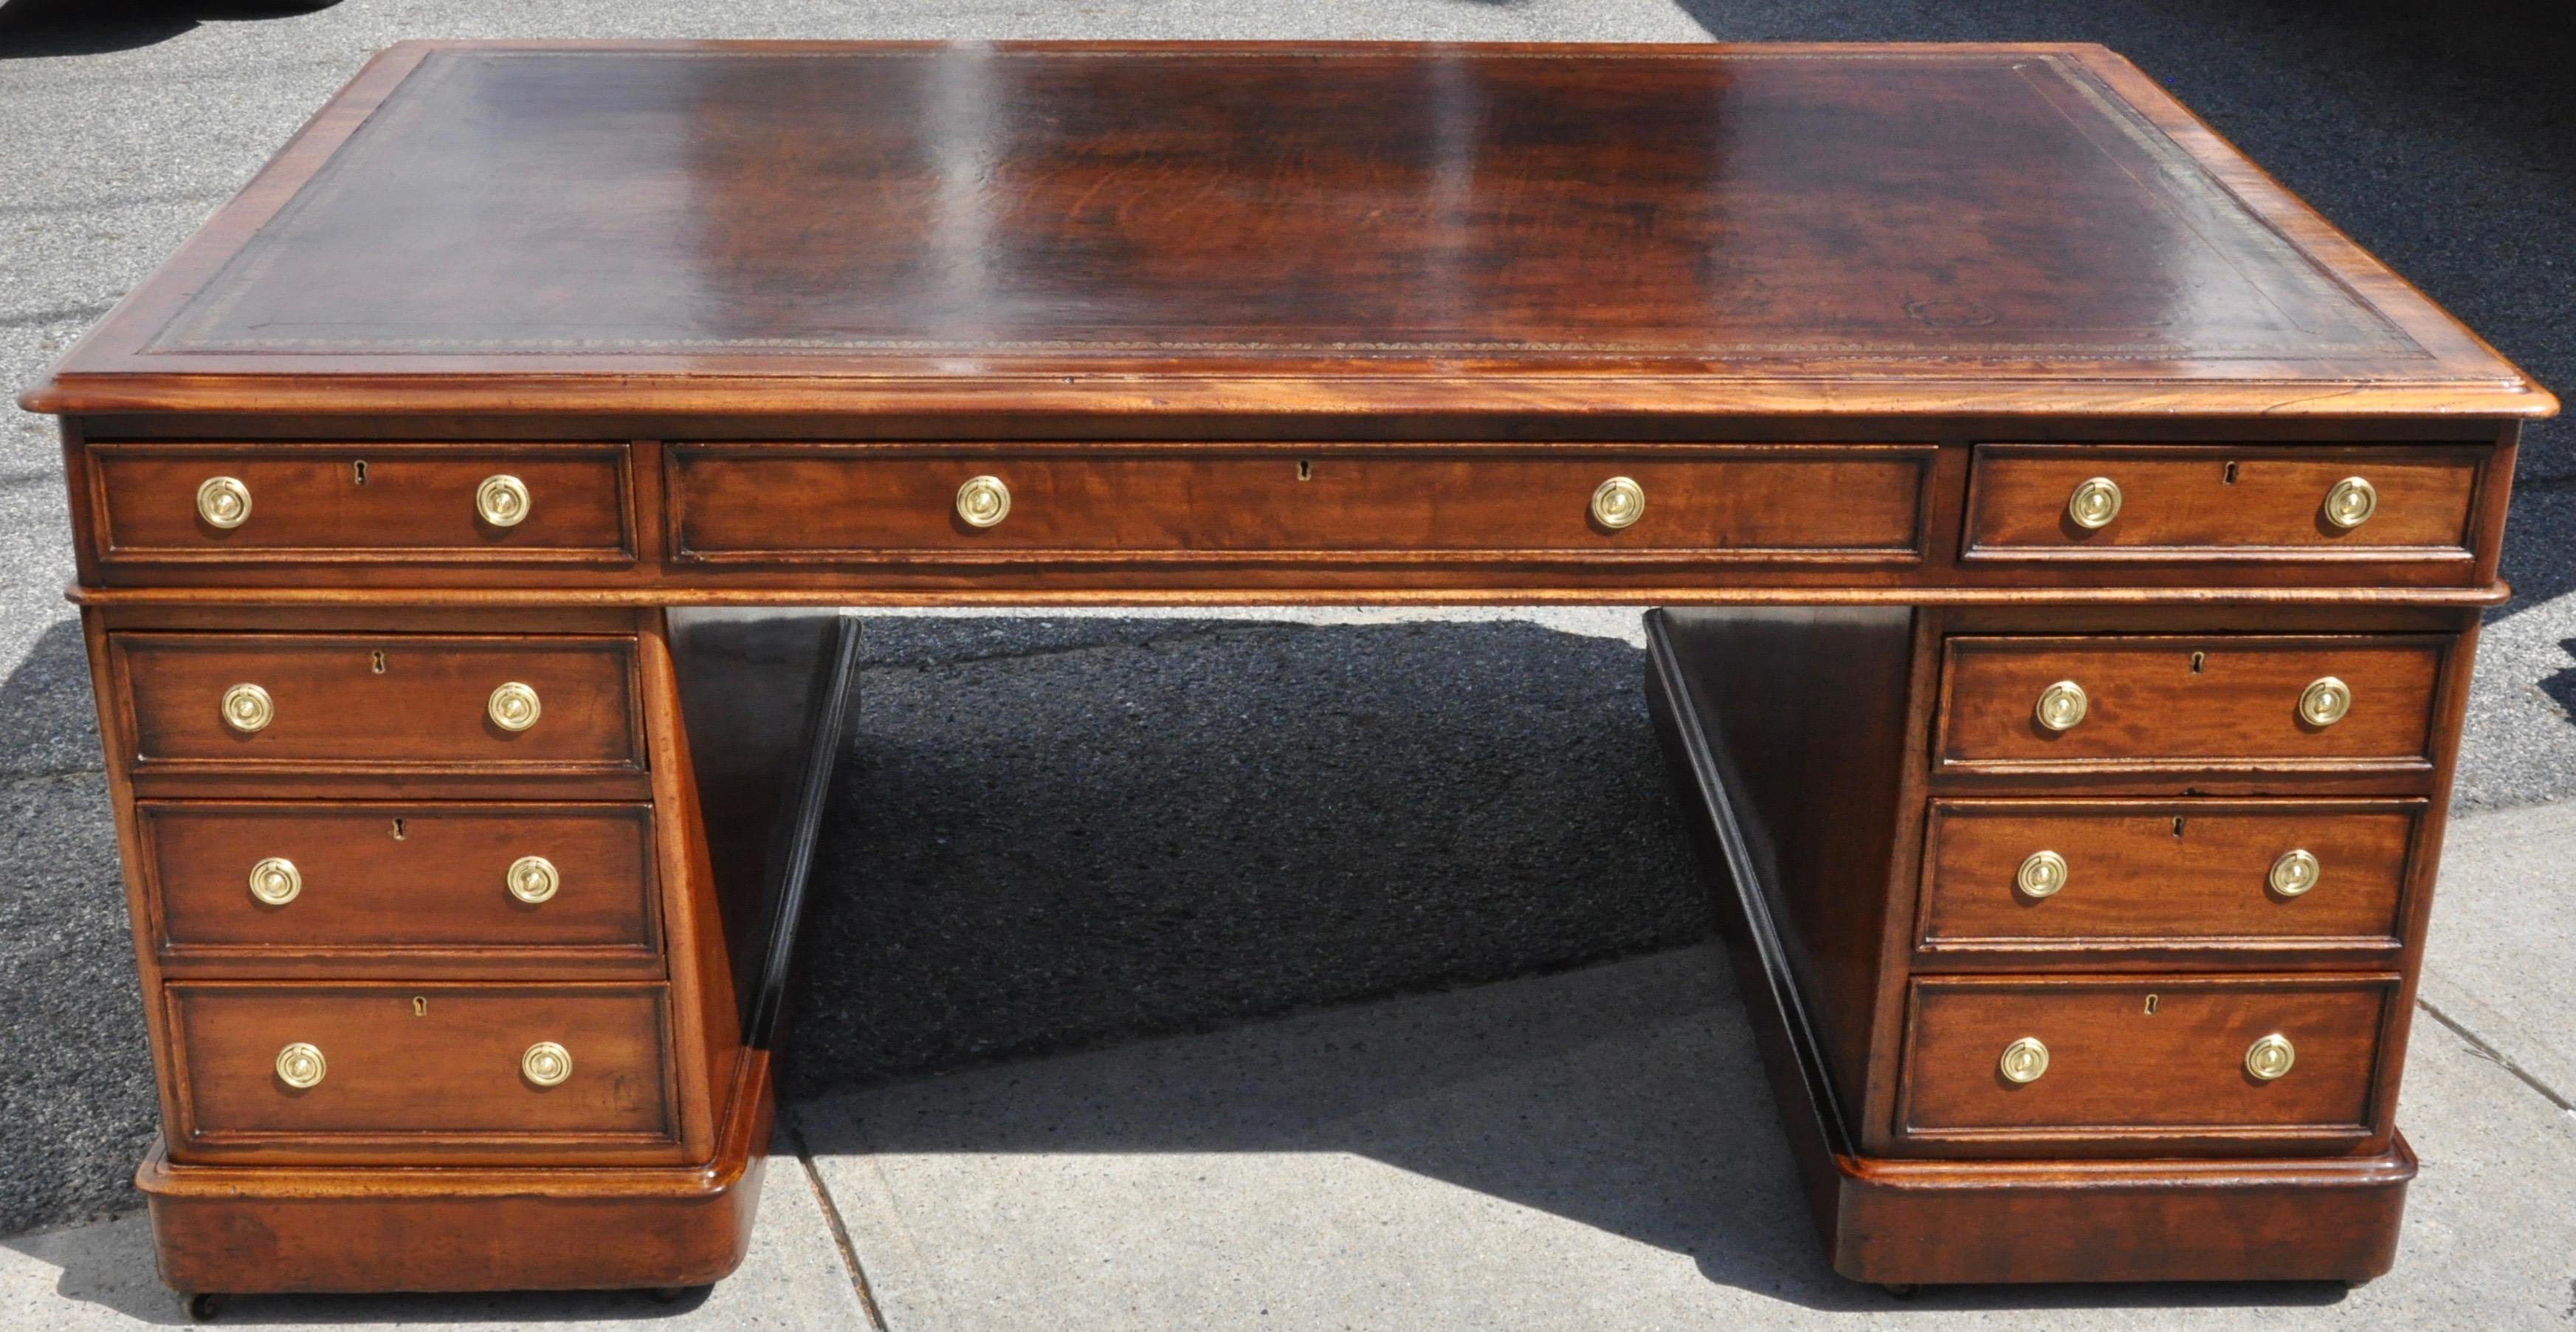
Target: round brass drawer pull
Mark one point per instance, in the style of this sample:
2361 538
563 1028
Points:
247 708
983 501
300 1066
2062 705
2041 874
2095 503
276 881
223 502
2294 873
502 500
2270 1057
513 707
2351 501
532 879
2024 1060
545 1064
1618 502
2324 701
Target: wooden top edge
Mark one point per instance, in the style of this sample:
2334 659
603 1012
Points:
1710 394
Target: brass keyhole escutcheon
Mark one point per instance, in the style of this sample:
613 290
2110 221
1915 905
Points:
502 501
275 881
376 662
1618 502
983 501
2023 1060
2062 705
532 879
513 707
2095 503
248 709
2041 874
301 1066
2270 1057
545 1064
2295 872
2325 701
420 1005
2351 501
2151 1005
223 502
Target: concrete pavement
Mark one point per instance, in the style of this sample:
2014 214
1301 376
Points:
1593 1149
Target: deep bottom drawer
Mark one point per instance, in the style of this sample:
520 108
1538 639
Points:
2150 1059
412 1066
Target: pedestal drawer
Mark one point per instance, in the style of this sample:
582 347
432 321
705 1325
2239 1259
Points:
2208 701
383 702
2144 1060
402 1068
361 884
2032 874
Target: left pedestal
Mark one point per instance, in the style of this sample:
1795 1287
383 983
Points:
454 982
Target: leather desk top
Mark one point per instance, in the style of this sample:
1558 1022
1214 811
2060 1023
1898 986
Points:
766 227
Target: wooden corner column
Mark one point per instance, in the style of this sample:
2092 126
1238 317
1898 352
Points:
2073 548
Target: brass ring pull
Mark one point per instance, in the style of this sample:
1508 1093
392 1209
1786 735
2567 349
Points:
2294 873
247 708
513 707
983 501
502 500
300 1066
223 501
2325 701
545 1064
2351 501
2042 874
2095 503
2062 705
2270 1057
532 879
2023 1060
1618 502
276 881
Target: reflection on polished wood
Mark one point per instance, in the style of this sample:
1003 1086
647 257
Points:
2064 530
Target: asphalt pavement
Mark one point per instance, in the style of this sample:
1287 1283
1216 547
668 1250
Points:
1409 803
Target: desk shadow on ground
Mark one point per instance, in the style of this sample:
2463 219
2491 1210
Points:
31 28
1627 1097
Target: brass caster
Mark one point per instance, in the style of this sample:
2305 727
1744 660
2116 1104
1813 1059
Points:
676 1294
201 1306
1903 1290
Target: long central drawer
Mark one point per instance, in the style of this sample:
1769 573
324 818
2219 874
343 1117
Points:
819 503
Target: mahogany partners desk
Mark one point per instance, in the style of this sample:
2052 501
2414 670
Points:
2075 549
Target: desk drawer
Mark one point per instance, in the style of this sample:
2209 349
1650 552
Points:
790 503
385 702
2209 701
2105 1062
289 503
248 881
2005 873
410 1066
2195 502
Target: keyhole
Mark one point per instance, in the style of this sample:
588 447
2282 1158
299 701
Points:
2198 659
2230 476
420 1005
2177 827
2151 1005
398 830
1305 469
376 661
359 468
